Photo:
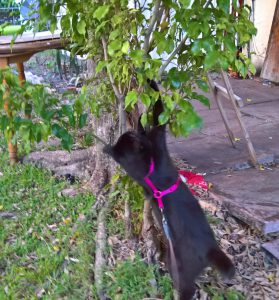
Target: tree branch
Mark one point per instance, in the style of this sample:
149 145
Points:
151 25
207 3
115 89
175 51
99 139
159 21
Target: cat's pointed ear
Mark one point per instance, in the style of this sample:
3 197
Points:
141 129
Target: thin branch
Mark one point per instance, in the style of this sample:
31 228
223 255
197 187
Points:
208 3
99 139
115 89
175 51
159 22
149 30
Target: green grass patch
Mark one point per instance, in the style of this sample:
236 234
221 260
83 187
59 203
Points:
47 250
134 279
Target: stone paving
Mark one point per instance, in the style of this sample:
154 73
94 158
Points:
250 194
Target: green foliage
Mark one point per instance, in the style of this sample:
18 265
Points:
47 249
229 294
47 116
197 36
8 3
133 279
126 189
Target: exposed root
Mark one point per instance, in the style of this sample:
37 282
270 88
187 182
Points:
78 163
100 258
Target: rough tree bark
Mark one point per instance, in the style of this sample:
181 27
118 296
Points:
270 70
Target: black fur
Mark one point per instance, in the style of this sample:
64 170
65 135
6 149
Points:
193 241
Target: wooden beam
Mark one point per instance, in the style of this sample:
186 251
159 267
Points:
270 70
213 88
249 144
224 92
12 147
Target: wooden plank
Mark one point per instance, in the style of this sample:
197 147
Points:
224 92
221 109
30 37
249 144
270 70
36 46
250 195
272 247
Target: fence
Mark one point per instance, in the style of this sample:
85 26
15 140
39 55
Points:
10 14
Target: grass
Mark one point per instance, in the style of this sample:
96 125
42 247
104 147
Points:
133 279
47 250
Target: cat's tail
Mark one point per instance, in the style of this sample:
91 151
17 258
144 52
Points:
220 260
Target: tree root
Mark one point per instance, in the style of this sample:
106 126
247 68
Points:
100 258
78 163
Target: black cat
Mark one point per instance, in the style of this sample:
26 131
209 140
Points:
192 241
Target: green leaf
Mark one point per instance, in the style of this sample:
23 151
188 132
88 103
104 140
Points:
67 141
131 99
164 117
145 99
224 5
252 69
101 64
67 110
114 46
168 101
125 47
204 100
185 3
101 12
81 27
202 85
229 43
82 120
143 119
211 60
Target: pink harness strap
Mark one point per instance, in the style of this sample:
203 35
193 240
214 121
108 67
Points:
156 193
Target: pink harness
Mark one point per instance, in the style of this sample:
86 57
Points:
156 193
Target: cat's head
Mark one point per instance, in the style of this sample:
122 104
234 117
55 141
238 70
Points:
133 151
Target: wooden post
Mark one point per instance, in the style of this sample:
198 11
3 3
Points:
249 144
22 79
21 75
221 109
270 70
11 147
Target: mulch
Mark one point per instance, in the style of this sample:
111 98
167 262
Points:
257 273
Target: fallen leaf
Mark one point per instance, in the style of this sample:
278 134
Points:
237 139
56 248
74 259
210 185
67 221
249 100
39 292
81 217
52 227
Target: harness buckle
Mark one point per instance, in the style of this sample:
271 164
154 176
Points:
157 194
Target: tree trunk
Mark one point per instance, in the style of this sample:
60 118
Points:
270 70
